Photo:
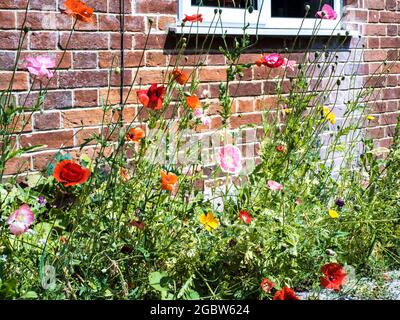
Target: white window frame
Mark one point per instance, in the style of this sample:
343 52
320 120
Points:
231 19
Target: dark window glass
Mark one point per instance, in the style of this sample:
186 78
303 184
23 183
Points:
296 8
226 3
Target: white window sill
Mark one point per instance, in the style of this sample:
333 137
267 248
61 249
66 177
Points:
260 31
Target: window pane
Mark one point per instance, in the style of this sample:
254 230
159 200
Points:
296 8
226 3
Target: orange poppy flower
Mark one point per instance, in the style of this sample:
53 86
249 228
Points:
135 134
123 173
168 180
78 9
180 76
193 102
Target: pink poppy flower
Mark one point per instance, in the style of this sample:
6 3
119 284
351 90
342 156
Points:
273 60
326 12
20 220
199 114
288 64
274 186
39 66
245 216
229 158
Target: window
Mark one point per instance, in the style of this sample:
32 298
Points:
279 15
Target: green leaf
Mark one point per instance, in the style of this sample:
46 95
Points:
30 295
156 279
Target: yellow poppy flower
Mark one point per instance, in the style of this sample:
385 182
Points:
333 214
370 118
329 115
209 221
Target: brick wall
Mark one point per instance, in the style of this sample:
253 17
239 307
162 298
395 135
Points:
71 112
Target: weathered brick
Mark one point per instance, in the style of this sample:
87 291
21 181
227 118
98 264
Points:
8 20
53 100
79 79
20 81
10 40
82 41
18 165
134 23
164 6
43 40
47 121
7 60
13 4
115 6
85 60
84 118
109 23
52 139
85 98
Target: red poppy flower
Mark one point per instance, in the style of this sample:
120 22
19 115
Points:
193 18
335 276
78 9
168 180
180 76
153 97
245 216
285 294
193 102
70 173
273 60
135 134
267 285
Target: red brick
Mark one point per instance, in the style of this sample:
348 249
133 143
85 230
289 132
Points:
85 98
164 22
375 4
45 20
18 165
115 41
45 5
212 74
47 120
43 40
390 42
84 118
245 89
7 60
164 6
81 41
13 4
53 139
115 6
109 23
10 40
41 161
373 16
80 79
155 59
391 17
20 81
374 55
108 59
85 60
86 134
237 121
155 41
134 24
374 30
8 20
53 100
